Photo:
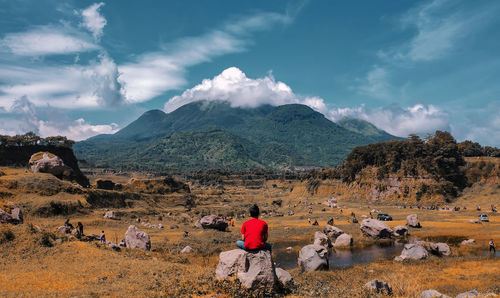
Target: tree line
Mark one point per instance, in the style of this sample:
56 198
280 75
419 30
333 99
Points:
32 139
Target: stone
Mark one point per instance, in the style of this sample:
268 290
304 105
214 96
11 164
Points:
172 227
64 229
440 249
343 241
46 162
400 231
379 287
110 215
412 251
114 246
186 250
412 221
322 239
92 237
160 226
213 222
313 257
197 224
253 269
375 228
468 294
467 242
432 294
134 238
332 231
10 213
283 276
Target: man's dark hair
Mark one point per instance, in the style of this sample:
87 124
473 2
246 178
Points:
254 211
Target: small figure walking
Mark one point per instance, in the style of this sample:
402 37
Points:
103 237
492 247
79 233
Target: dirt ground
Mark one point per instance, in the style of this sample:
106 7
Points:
66 267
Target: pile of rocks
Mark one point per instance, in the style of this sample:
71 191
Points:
152 226
420 250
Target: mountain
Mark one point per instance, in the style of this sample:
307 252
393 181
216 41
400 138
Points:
362 127
202 135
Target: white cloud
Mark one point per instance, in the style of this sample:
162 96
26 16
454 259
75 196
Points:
399 121
46 40
154 73
93 20
233 86
24 116
69 87
376 83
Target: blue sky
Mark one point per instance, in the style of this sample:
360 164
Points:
81 68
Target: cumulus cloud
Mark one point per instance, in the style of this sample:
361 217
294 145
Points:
47 40
72 86
400 121
93 20
24 116
376 83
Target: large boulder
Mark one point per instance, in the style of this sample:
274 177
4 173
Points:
134 238
432 294
400 231
187 250
332 231
46 162
375 228
110 215
344 240
313 257
379 287
253 269
213 222
322 239
439 249
412 221
10 213
413 252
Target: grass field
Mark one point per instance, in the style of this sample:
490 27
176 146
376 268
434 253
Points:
74 268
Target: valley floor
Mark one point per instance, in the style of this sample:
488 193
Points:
74 268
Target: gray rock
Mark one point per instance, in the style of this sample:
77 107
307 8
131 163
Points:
400 231
92 237
379 287
471 293
110 215
46 162
114 246
412 251
332 231
12 214
412 221
375 228
253 269
343 241
213 222
313 257
197 224
134 238
432 294
467 242
186 250
64 229
440 249
322 239
283 276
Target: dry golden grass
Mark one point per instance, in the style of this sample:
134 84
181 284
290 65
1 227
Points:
74 268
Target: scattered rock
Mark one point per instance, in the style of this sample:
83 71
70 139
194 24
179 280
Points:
253 269
160 226
432 294
64 229
344 240
289 248
375 228
400 231
92 237
197 224
412 251
322 239
186 250
137 239
412 221
283 276
440 249
467 242
332 231
172 227
111 215
10 213
213 222
468 294
379 287
313 257
114 246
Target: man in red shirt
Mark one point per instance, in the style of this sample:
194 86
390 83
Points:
254 232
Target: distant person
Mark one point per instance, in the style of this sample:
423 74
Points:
492 247
315 223
102 237
330 222
79 231
254 232
186 234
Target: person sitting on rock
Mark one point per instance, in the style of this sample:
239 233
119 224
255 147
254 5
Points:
254 232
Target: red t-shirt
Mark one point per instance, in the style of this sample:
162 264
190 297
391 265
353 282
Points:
254 231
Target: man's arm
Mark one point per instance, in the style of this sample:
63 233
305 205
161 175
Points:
243 237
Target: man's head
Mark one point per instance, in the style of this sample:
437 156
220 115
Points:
254 211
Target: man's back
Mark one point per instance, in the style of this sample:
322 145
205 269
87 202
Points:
255 231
